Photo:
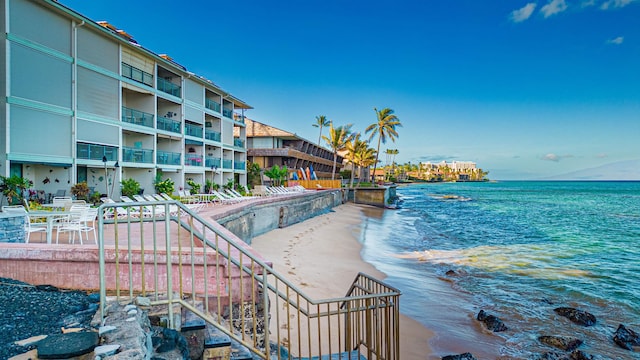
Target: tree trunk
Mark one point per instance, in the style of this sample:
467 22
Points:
335 159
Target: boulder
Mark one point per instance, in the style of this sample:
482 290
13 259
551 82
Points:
574 355
492 323
561 342
465 356
626 338
579 317
64 346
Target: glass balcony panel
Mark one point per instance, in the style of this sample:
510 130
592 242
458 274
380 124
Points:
136 74
227 164
238 117
193 130
168 158
167 124
136 155
212 135
227 112
237 142
96 152
169 87
137 117
212 161
193 160
239 165
212 105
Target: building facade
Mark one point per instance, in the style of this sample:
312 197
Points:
83 101
268 146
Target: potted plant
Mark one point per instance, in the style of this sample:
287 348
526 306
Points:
81 190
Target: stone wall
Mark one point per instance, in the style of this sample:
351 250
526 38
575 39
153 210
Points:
260 218
12 228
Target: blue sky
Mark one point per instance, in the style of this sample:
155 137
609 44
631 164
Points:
527 90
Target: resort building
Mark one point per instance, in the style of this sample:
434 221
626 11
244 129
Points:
268 146
83 101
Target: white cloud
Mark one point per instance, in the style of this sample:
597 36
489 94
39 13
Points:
523 13
616 41
554 7
554 157
615 4
588 3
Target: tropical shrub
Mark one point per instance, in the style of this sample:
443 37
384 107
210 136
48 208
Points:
277 174
195 187
228 185
166 186
130 187
13 188
81 190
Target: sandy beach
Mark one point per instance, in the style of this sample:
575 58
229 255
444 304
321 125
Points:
322 256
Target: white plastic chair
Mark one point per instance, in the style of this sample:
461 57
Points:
30 226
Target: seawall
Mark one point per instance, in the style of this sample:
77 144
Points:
278 212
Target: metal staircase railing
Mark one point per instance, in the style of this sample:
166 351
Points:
168 253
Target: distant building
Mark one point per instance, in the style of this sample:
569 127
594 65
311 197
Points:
268 146
455 170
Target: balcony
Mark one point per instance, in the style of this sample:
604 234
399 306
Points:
167 124
212 105
169 87
238 118
239 165
238 142
137 117
96 152
136 74
168 158
227 164
212 135
212 162
193 160
193 130
227 113
135 155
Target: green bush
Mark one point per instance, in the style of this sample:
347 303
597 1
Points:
81 190
130 187
195 187
163 186
13 188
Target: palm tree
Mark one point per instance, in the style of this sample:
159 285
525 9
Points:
321 122
337 140
365 158
384 127
353 147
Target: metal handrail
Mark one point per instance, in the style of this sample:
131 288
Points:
241 294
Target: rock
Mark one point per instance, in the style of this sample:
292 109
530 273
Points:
451 273
626 338
129 308
65 346
106 350
106 329
143 301
575 355
465 356
46 288
561 342
492 323
577 316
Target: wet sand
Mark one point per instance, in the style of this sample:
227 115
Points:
322 256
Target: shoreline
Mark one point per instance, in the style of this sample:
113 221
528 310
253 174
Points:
303 252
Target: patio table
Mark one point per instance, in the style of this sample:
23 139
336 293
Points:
50 217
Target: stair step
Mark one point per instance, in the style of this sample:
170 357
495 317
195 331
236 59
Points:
239 351
214 338
353 355
191 321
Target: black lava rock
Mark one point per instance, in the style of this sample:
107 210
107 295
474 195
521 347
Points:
574 355
577 316
65 346
561 342
626 338
492 323
465 356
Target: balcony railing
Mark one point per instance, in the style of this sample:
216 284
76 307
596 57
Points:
239 165
227 164
169 87
168 124
212 135
193 130
212 161
193 160
136 155
238 142
227 113
168 158
96 152
238 117
136 74
212 105
137 117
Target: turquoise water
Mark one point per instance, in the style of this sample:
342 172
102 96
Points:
518 249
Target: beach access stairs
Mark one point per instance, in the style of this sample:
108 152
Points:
217 288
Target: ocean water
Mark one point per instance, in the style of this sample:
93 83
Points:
518 250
